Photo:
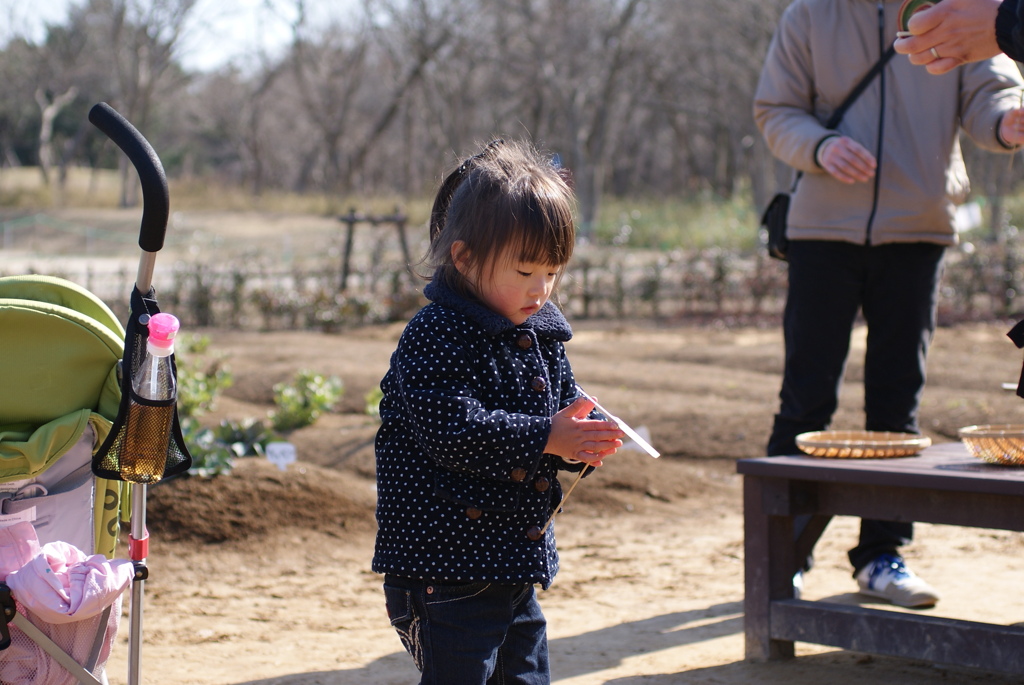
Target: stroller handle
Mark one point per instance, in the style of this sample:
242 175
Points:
155 195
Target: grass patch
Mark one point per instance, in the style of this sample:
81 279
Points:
695 223
22 188
204 194
645 223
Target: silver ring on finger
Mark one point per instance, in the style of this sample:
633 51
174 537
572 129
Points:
935 53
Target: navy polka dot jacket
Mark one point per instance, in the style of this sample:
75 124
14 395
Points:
463 484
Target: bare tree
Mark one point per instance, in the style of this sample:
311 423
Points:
56 69
254 141
559 70
353 83
50 106
20 75
424 33
141 37
328 67
635 96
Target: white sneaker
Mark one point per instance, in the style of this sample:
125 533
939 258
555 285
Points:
889 578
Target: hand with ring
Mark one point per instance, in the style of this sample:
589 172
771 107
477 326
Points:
964 28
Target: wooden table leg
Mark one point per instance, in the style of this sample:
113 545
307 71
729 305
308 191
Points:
769 561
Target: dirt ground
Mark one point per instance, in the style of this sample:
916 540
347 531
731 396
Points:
262 576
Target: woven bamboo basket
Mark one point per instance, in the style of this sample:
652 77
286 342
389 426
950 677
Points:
995 443
861 444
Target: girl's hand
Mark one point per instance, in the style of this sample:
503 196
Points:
574 436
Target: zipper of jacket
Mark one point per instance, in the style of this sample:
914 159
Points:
881 125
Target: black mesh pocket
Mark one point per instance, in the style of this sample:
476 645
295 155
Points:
145 443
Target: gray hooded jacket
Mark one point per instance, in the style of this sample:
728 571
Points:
909 119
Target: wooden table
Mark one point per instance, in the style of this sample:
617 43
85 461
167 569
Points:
944 485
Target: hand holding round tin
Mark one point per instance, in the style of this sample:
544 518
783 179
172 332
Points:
943 35
909 8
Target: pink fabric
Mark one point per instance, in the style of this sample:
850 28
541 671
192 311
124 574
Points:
18 544
63 592
61 584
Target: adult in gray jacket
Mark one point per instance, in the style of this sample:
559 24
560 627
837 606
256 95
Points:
868 224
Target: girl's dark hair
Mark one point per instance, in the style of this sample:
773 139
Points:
506 202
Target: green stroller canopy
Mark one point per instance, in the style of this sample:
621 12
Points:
59 348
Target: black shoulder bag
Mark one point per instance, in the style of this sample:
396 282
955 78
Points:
774 217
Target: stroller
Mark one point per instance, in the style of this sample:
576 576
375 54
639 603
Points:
67 418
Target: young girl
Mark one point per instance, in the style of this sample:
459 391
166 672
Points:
480 412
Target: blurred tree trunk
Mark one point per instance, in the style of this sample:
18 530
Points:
252 128
49 108
567 61
427 44
329 69
636 97
143 37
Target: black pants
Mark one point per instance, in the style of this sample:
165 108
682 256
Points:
896 288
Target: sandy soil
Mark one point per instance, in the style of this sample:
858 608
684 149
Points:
262 576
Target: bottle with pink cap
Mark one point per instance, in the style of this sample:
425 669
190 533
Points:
151 411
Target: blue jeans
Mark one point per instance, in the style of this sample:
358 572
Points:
895 287
470 633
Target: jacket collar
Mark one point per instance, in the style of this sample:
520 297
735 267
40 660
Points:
548 321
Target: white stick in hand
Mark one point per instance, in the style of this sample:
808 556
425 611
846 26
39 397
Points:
633 435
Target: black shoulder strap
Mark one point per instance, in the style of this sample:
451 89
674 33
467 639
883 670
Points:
837 115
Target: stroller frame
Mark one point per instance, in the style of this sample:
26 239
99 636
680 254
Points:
106 460
59 330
